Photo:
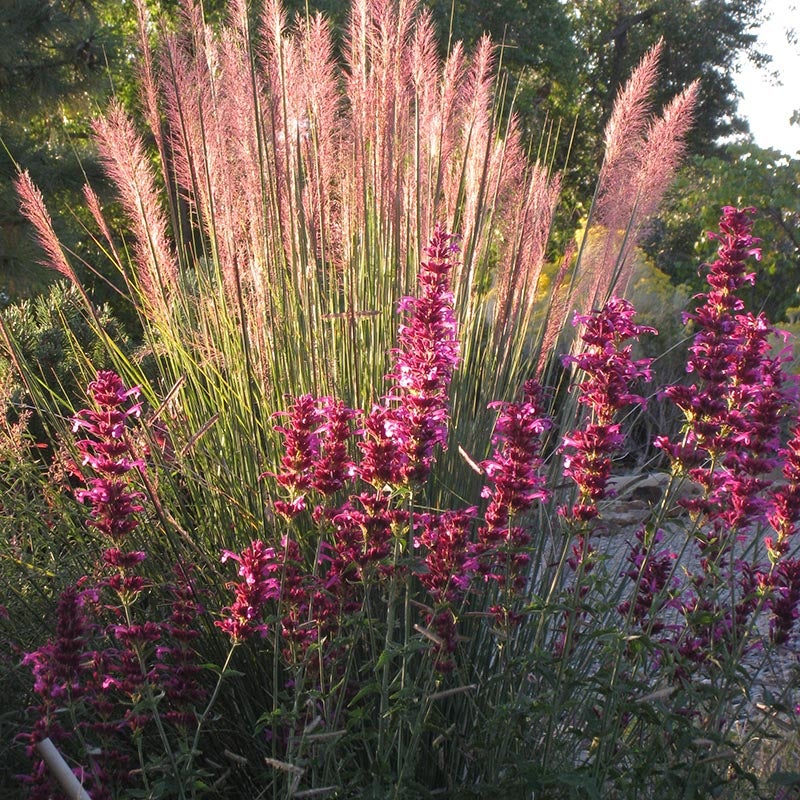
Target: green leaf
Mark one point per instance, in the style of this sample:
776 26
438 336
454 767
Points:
365 691
785 778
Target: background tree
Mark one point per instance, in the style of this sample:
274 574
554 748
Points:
702 38
564 62
743 174
58 62
540 51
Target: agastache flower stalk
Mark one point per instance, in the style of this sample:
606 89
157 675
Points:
610 372
178 665
259 568
56 669
786 500
715 351
107 451
58 666
315 440
426 355
66 681
652 571
334 466
449 566
730 440
733 411
301 451
299 628
514 486
381 460
783 599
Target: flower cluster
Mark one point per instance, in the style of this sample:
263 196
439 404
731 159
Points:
652 572
107 451
259 568
611 371
733 409
447 572
514 485
110 655
381 460
300 444
424 360
785 510
784 599
178 668
69 676
57 667
730 442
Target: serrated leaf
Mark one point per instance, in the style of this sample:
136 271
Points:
370 688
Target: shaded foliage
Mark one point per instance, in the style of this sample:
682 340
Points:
58 63
744 174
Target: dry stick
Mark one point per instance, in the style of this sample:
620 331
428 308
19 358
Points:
60 770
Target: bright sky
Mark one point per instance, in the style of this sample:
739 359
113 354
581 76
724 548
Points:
768 107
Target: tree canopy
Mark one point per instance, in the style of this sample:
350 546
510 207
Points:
565 61
743 175
59 60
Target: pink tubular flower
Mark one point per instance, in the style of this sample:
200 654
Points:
449 567
107 451
315 439
514 485
381 457
786 500
362 535
178 667
784 599
426 355
734 409
260 570
653 569
63 679
301 444
610 372
57 667
514 466
334 467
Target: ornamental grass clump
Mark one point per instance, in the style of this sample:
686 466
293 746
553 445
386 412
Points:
344 526
379 627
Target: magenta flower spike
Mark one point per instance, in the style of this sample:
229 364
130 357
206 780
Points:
449 566
259 569
786 500
301 443
57 667
610 372
315 438
514 481
514 485
106 449
714 351
733 411
381 457
784 599
178 665
426 355
334 466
